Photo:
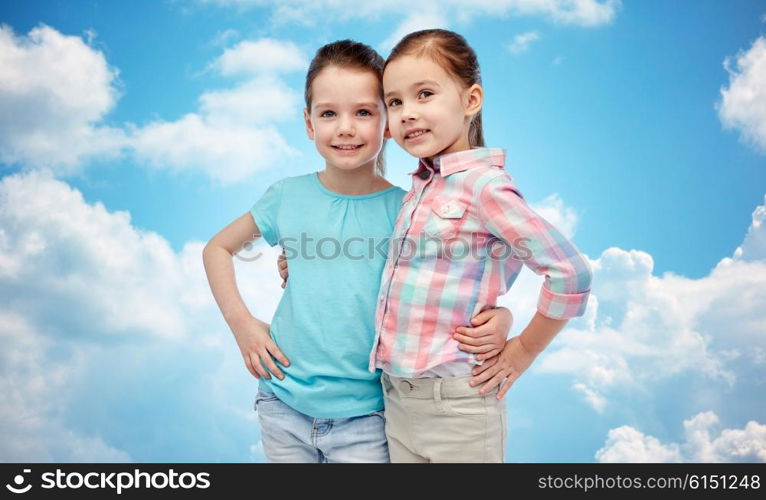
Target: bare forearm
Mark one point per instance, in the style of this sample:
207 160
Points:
540 332
220 275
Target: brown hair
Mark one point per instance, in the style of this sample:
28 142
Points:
348 54
452 52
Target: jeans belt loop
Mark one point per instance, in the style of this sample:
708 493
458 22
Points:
438 389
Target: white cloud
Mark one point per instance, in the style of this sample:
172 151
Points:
224 153
427 16
743 103
230 137
553 209
51 118
626 444
522 42
233 133
258 57
33 390
594 399
57 250
754 246
100 322
259 101
54 92
225 37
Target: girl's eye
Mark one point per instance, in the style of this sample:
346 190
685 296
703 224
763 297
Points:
425 93
327 114
364 112
394 102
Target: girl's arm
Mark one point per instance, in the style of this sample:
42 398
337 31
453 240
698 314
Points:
517 355
542 248
252 335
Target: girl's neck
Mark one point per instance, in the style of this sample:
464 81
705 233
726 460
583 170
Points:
460 145
357 181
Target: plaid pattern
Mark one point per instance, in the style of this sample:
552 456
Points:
459 242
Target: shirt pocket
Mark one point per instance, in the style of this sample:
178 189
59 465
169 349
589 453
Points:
445 217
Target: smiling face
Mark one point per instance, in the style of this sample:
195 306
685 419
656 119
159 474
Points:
429 112
347 119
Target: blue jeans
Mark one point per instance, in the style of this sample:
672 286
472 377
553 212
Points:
290 436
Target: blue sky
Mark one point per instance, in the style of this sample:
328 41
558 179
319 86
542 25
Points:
133 131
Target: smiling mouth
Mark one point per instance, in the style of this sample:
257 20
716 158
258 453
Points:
415 134
347 147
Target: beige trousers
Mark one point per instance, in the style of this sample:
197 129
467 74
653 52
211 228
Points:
442 420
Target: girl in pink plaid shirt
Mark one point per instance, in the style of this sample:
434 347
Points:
460 240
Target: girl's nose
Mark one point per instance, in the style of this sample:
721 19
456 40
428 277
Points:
407 113
346 127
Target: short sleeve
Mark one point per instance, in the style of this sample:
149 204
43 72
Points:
567 272
265 212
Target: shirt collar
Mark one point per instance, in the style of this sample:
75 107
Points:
451 163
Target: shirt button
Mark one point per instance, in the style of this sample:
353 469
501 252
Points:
425 174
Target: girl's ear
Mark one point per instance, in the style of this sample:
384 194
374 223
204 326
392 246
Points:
309 125
474 99
386 132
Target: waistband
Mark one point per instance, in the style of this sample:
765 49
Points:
431 387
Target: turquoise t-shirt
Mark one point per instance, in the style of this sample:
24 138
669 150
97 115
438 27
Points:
336 246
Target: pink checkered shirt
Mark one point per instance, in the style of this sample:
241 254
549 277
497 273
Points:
459 242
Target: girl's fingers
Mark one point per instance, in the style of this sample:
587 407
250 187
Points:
473 340
493 382
249 366
284 284
487 355
272 348
466 330
481 318
256 360
282 266
484 376
479 331
273 368
476 349
480 368
506 385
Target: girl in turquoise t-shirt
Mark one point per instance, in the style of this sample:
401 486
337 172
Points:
325 406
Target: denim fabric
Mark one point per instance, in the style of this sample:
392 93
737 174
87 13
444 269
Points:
290 436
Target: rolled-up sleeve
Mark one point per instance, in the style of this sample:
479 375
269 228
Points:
540 246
